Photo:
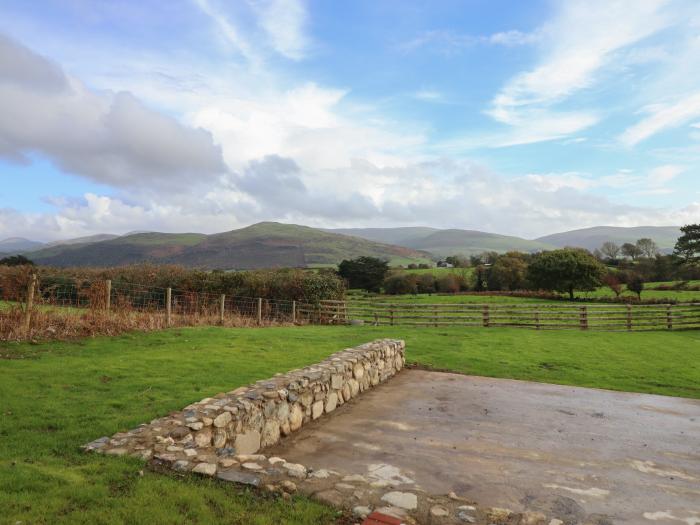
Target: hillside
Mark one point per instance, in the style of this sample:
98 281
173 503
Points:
84 240
592 238
448 242
262 245
15 245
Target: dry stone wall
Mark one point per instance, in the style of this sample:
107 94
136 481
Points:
205 434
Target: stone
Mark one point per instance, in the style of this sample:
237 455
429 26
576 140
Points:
196 426
116 451
180 432
274 460
355 478
227 462
332 402
354 387
208 469
403 500
222 419
296 417
439 511
247 443
174 448
498 514
358 371
283 411
295 470
336 381
288 486
321 474
556 522
344 487
532 518
207 421
465 517
181 465
251 466
306 398
238 476
317 409
346 391
270 434
330 497
242 458
203 438
219 438
361 511
285 429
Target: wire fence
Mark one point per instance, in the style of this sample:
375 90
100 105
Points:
30 309
611 317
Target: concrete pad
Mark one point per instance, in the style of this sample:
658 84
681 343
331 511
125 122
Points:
581 454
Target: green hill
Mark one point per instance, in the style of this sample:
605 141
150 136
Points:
592 238
442 243
263 245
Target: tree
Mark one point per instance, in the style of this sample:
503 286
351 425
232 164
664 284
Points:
611 281
636 285
688 245
647 247
367 273
566 270
630 250
509 272
610 250
458 261
15 260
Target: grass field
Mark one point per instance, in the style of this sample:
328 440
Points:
55 397
440 272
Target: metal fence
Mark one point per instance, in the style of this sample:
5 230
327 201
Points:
545 316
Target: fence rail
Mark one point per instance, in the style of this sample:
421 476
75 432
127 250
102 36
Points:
626 317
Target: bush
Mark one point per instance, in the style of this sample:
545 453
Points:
400 284
449 283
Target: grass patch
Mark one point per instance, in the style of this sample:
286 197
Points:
55 397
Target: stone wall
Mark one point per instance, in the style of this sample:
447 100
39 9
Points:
250 418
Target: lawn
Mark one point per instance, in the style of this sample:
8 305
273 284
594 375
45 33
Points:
56 396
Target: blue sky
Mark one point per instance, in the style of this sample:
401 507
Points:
523 118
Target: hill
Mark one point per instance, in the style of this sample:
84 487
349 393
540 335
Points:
592 238
84 240
447 242
262 245
15 245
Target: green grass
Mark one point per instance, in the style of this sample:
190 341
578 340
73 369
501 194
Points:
55 397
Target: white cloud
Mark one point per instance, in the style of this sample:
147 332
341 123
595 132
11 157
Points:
579 42
513 38
285 23
228 30
662 117
448 42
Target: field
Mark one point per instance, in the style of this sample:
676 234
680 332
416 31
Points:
441 272
56 396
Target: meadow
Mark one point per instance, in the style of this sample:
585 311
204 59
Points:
57 396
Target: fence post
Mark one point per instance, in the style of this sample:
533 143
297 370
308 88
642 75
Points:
584 318
669 318
108 294
391 315
294 312
486 316
629 316
435 316
168 306
222 307
30 304
259 312
537 318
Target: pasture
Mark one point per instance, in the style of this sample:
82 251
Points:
57 396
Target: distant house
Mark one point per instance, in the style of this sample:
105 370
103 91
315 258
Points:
444 264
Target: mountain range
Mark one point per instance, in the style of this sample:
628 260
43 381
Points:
271 244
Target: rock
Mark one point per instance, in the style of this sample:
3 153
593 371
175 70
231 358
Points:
222 419
467 508
270 433
556 522
361 511
282 411
344 487
296 417
196 426
174 448
355 478
180 432
403 500
237 476
208 469
438 511
346 391
358 371
274 460
181 465
306 398
320 474
289 486
203 438
285 428
532 518
207 421
295 470
336 381
317 409
354 387
247 443
116 451
220 437
332 402
465 517
227 462
498 514
330 497
251 466
190 452
242 458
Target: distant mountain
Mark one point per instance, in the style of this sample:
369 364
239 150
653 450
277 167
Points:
447 242
592 238
84 240
263 245
15 245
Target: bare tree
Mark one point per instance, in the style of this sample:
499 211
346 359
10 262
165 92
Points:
610 250
630 250
647 247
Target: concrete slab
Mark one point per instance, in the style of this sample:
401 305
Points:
581 454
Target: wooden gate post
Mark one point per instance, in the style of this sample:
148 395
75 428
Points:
259 312
629 317
584 318
30 305
485 315
108 295
391 315
537 318
669 318
294 312
222 307
168 306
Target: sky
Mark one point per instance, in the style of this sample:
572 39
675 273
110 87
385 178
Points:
521 118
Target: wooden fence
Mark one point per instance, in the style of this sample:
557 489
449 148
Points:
545 316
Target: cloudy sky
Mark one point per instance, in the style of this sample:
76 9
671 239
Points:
523 118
